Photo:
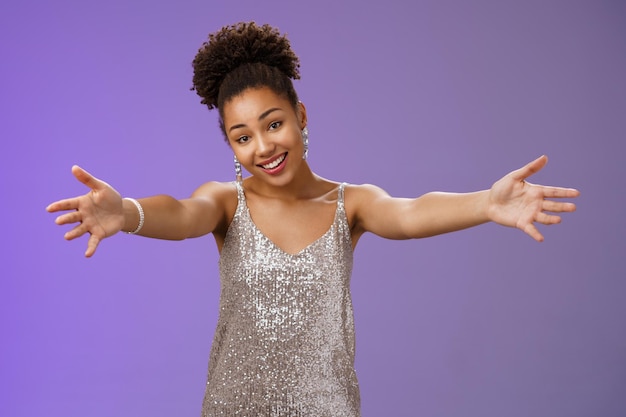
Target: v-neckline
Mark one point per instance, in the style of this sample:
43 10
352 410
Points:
272 243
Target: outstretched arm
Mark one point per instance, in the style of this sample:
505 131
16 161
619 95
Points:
102 213
511 201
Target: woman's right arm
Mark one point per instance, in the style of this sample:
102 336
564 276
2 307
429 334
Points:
102 212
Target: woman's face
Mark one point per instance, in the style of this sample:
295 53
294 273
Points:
265 133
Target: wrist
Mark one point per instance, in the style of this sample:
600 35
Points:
133 216
483 207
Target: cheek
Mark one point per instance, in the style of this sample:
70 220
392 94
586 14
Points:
293 136
246 156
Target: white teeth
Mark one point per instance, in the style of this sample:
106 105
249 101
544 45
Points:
274 163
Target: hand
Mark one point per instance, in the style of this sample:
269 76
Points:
517 203
99 212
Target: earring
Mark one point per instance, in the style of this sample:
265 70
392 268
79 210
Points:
237 169
305 140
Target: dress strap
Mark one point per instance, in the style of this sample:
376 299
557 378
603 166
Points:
340 195
241 197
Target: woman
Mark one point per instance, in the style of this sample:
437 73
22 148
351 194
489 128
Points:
284 343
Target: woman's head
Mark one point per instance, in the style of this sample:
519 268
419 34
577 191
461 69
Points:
244 56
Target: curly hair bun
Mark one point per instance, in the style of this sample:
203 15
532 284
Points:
241 44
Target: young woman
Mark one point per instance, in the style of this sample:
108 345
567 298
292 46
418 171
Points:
284 343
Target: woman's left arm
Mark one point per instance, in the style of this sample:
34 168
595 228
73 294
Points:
511 201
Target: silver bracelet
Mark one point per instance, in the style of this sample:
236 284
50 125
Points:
141 215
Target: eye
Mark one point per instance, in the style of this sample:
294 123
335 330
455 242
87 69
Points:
275 125
242 139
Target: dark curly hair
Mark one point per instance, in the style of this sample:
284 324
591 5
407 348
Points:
244 56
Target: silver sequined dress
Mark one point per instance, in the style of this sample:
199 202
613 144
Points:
284 343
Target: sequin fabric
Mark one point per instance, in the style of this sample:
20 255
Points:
284 342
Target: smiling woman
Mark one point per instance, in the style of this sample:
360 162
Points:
267 134
284 343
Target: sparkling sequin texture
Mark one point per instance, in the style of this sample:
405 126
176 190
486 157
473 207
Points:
284 343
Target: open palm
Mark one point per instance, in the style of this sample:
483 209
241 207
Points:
517 203
99 212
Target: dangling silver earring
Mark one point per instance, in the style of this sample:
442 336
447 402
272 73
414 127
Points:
305 140
237 169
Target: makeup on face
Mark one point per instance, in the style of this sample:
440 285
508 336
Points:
263 130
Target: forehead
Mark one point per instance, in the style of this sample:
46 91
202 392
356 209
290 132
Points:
251 103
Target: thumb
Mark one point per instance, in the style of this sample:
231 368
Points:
87 179
530 168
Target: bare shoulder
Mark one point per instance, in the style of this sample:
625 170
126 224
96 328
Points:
221 194
214 190
359 200
358 194
221 197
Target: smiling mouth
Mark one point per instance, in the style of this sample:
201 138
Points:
275 162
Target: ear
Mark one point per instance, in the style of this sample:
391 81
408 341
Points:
302 115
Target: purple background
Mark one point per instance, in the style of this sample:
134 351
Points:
411 96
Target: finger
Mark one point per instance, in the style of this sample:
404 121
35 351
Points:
532 231
87 179
92 245
547 219
558 207
559 192
76 232
67 204
72 217
530 168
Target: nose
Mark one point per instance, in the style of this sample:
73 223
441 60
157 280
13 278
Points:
265 147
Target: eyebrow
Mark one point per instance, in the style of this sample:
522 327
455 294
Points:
261 117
